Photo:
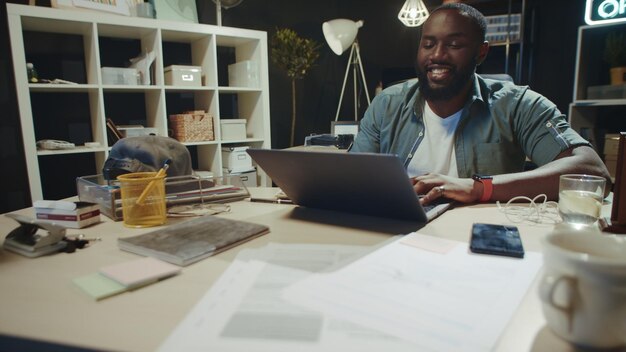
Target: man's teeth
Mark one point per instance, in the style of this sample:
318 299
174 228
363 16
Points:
439 70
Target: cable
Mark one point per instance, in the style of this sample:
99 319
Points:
545 212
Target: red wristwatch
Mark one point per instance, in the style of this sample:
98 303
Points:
487 186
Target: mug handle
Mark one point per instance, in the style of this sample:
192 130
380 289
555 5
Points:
548 288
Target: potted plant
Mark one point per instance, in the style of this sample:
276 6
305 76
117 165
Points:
615 55
296 56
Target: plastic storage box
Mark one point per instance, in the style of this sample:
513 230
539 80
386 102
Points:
118 75
233 129
178 75
243 74
180 190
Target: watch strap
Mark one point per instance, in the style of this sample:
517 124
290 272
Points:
487 189
487 186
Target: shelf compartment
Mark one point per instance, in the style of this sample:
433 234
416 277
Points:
192 49
60 55
59 172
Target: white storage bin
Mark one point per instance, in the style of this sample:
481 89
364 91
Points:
135 132
248 177
178 75
236 159
119 75
243 74
233 129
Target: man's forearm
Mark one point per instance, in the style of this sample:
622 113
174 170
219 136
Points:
545 179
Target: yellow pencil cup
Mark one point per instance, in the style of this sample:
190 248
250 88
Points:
143 199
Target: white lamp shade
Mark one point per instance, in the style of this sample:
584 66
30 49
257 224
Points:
413 13
340 33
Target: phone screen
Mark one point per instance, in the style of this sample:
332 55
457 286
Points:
496 239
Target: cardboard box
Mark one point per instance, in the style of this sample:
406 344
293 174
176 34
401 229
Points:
119 75
611 163
607 92
178 75
74 215
611 144
236 159
233 129
243 74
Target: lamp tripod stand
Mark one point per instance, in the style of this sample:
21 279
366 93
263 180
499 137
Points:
357 65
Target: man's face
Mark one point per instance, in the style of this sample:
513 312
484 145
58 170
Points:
449 51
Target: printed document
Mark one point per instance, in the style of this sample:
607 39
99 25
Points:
446 299
243 311
417 293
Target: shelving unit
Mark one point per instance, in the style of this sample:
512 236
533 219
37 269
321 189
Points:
592 118
508 54
103 40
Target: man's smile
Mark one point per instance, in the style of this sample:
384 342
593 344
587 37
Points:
438 74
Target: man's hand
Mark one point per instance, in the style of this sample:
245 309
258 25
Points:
434 186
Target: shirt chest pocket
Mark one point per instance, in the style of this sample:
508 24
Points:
498 158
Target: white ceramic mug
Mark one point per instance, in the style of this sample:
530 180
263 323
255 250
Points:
583 288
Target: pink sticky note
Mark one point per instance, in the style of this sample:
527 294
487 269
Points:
140 272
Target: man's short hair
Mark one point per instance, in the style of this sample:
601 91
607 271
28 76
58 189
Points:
466 10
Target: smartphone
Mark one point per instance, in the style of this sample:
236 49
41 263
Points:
497 240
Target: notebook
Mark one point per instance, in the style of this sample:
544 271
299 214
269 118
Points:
362 183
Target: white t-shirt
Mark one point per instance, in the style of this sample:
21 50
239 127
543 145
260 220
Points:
436 151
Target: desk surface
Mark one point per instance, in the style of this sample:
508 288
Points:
39 301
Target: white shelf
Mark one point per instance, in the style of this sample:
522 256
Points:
592 117
95 100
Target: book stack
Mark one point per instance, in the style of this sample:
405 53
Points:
74 215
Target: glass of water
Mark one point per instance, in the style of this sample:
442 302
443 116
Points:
580 198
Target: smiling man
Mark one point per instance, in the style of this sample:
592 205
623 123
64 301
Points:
467 138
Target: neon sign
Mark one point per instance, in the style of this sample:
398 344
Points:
605 11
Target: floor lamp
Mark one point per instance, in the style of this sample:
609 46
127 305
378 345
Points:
340 35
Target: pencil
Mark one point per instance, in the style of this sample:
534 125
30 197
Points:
144 194
275 201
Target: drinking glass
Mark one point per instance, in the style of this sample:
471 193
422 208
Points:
580 198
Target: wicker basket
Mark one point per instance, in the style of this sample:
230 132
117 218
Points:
192 126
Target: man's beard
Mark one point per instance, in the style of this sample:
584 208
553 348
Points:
459 80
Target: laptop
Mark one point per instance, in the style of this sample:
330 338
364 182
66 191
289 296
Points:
361 183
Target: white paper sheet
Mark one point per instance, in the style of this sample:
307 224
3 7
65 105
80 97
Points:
243 310
447 300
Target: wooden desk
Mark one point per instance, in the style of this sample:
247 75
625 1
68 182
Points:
39 301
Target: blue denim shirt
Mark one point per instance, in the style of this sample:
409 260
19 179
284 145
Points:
501 124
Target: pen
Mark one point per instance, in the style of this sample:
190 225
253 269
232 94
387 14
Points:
275 201
161 173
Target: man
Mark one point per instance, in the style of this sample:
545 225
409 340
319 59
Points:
453 127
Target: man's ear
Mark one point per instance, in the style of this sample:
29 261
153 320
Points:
483 49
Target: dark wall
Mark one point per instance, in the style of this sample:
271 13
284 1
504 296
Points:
387 50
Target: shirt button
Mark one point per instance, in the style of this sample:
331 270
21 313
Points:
420 134
548 124
410 155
